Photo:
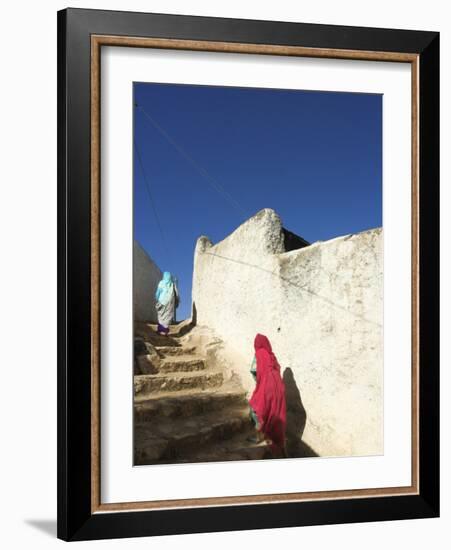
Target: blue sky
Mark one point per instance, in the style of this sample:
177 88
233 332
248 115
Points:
314 157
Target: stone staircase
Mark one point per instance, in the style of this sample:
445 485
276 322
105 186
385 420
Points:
186 407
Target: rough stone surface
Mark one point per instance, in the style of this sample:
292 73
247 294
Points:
146 276
321 307
193 409
178 405
147 364
147 384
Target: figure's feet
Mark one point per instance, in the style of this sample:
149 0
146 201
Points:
161 331
256 439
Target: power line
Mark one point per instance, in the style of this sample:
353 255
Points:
200 169
302 288
152 202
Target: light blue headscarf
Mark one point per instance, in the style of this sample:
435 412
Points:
165 289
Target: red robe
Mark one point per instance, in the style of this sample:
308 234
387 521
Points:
268 399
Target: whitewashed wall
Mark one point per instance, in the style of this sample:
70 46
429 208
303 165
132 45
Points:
321 307
146 276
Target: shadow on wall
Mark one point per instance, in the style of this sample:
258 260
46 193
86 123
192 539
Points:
188 324
194 315
296 419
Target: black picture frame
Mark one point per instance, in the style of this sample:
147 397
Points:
76 520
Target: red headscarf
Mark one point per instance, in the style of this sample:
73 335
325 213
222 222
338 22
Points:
268 399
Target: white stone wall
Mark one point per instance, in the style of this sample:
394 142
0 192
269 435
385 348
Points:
321 308
146 276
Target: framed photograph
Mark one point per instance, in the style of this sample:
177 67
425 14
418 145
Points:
248 274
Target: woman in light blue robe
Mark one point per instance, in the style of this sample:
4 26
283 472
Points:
167 300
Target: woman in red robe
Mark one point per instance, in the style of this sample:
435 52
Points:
268 400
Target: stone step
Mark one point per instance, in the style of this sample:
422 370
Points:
175 350
181 363
235 448
177 330
148 333
183 405
159 341
170 442
148 384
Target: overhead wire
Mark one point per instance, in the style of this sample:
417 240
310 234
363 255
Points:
213 182
152 202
